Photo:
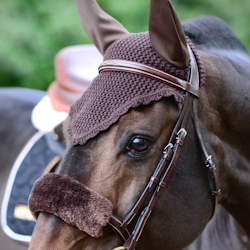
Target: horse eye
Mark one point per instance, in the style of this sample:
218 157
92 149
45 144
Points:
139 144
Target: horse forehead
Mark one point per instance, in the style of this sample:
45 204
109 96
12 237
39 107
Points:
156 112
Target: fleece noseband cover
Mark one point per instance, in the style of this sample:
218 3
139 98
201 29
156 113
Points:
72 201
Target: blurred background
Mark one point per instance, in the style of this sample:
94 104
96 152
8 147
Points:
33 31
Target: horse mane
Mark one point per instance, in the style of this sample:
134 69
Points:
211 33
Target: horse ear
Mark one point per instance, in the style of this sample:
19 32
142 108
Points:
102 29
166 34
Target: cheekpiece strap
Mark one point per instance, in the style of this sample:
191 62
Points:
148 71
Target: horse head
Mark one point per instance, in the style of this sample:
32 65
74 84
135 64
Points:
107 166
121 131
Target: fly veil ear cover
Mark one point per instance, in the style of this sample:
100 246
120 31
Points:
102 29
166 34
165 30
113 93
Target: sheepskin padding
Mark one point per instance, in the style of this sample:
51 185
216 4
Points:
72 201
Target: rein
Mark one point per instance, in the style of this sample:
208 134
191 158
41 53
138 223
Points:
170 154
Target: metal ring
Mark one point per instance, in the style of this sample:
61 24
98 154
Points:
120 248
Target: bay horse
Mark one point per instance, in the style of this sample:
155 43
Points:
107 165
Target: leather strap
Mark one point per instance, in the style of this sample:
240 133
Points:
148 71
212 174
52 164
115 224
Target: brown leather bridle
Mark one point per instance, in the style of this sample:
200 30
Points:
170 154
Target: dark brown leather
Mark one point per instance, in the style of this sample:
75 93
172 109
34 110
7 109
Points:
148 71
166 33
115 224
212 174
101 28
52 164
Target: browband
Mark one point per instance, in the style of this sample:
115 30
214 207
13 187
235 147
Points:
148 71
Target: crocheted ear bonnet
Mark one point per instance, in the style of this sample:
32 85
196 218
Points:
113 93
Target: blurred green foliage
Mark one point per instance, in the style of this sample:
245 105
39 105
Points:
33 31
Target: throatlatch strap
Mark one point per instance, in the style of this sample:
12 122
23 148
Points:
212 174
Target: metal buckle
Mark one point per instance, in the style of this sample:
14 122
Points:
209 158
211 167
165 150
182 130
